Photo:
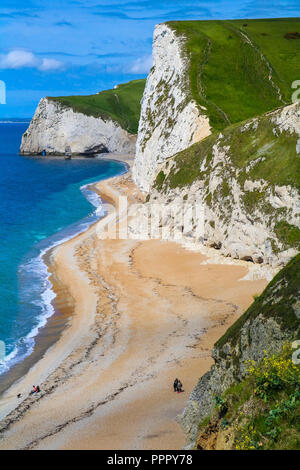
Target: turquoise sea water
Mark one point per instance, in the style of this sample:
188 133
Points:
42 202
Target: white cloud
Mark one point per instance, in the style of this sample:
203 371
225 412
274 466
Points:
50 64
19 59
142 65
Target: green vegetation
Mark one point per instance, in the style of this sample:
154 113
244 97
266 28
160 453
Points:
288 234
262 411
160 179
240 69
274 386
272 157
277 301
121 104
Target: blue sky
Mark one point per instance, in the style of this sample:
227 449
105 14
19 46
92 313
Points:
60 47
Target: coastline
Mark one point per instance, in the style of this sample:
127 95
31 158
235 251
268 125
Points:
100 279
58 318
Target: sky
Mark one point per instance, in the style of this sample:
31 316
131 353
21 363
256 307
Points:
68 47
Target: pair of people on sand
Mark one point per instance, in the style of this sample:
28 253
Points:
177 386
35 389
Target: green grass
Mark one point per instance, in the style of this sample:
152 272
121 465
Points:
160 179
288 234
275 155
277 302
229 74
121 104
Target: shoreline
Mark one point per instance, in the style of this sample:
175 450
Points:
103 325
55 324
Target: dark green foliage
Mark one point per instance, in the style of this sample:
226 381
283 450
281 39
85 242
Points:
262 411
294 35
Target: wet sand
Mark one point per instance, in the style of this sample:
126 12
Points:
143 313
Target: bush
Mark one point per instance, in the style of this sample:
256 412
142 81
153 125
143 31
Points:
220 405
274 373
275 425
293 35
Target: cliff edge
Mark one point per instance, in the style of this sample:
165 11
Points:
206 76
170 119
86 125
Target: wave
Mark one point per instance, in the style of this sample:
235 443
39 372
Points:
37 289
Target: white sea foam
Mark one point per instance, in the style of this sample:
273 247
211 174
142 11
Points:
94 199
36 266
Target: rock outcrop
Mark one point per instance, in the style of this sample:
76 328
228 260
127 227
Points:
55 127
270 321
170 119
246 183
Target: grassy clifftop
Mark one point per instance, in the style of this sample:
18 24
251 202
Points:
243 68
121 104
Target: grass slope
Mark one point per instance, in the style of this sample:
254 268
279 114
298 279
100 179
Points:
280 300
121 104
242 68
273 155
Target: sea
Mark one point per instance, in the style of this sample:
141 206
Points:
43 202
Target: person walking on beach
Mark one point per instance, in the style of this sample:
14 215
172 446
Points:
175 385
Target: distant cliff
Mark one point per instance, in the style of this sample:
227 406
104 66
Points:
106 122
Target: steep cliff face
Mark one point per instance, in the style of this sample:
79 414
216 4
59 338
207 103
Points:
270 321
208 75
56 127
247 182
170 119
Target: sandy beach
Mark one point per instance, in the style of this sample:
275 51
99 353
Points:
141 313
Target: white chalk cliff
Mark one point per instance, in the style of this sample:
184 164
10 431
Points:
55 127
170 119
243 215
